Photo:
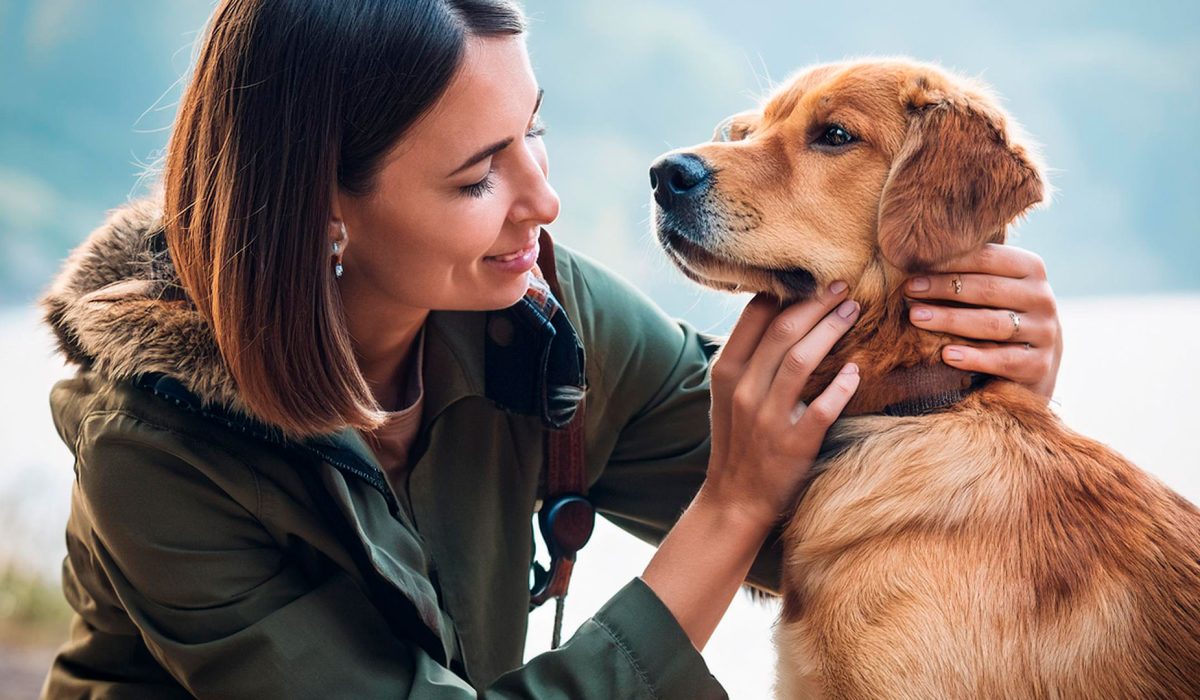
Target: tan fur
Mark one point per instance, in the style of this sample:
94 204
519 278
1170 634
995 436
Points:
982 551
118 306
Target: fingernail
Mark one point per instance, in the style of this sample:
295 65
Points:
847 308
919 284
850 368
922 314
838 287
953 354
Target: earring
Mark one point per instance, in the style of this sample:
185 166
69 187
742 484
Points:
337 247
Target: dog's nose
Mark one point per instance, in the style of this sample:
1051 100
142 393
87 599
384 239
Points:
678 176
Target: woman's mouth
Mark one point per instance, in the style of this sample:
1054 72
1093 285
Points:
517 261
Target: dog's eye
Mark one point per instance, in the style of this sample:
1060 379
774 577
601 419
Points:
835 135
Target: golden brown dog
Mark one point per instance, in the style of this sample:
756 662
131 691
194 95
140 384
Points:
957 540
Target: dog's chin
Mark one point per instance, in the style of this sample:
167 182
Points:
717 272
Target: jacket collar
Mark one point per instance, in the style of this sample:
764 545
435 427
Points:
117 307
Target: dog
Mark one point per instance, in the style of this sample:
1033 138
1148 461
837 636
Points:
955 540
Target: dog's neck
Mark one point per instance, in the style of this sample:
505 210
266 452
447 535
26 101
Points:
900 366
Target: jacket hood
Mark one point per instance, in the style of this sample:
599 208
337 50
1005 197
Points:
117 307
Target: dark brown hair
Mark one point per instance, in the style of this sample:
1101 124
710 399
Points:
290 99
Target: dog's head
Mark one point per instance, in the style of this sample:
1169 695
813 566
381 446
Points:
850 167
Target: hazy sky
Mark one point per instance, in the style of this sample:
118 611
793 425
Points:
1111 91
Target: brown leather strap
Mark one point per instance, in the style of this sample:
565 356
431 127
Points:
566 468
565 447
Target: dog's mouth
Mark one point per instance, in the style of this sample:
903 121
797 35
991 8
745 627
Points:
717 272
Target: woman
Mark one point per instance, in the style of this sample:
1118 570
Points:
307 427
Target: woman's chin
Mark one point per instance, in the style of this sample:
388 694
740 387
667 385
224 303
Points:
500 298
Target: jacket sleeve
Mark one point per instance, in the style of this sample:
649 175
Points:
221 608
649 404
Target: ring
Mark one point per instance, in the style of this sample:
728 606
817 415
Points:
1016 321
957 285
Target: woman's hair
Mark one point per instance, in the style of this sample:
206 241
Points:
291 99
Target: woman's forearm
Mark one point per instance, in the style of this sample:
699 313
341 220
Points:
702 562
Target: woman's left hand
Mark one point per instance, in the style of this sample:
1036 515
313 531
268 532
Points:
1012 324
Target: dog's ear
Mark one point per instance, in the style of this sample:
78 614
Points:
956 182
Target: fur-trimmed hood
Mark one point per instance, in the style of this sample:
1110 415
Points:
117 307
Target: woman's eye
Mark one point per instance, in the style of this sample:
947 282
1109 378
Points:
835 135
478 189
537 130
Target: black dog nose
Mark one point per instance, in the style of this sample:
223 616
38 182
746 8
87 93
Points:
677 177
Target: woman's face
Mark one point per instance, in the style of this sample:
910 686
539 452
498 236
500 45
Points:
453 220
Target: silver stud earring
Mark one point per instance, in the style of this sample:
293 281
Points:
337 247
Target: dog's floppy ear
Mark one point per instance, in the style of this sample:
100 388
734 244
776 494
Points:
956 182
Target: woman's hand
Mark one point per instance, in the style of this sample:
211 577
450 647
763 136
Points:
763 443
763 439
1014 327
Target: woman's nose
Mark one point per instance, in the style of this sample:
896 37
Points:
538 202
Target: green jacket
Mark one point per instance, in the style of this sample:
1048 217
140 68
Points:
208 556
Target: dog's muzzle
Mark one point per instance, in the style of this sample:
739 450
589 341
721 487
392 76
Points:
682 183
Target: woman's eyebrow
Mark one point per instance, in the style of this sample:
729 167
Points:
485 153
499 145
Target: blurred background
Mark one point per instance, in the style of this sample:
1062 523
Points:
1111 90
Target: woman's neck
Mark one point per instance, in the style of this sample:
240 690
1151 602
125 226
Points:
385 345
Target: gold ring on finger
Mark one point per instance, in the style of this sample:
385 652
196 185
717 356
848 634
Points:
957 285
1016 324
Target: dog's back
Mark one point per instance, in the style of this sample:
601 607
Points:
988 551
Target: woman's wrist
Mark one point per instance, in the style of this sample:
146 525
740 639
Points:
735 512
702 563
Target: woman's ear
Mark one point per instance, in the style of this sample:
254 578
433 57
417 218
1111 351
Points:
957 181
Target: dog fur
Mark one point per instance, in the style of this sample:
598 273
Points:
984 550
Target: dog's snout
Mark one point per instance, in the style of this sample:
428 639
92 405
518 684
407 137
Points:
677 177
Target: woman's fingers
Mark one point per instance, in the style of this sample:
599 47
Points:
982 290
803 357
731 360
814 419
791 326
1010 303
996 325
997 259
1018 363
748 330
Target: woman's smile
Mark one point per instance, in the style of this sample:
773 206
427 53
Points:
516 262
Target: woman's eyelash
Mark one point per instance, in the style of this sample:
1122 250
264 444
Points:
478 189
538 129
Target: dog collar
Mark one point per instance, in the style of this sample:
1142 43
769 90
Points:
917 390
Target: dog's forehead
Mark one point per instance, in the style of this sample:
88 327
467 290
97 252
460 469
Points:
873 88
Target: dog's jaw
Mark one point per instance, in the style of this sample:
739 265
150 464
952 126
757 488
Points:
709 269
881 341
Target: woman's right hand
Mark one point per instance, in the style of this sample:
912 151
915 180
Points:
763 443
764 440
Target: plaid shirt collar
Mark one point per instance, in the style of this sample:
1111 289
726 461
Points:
533 358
